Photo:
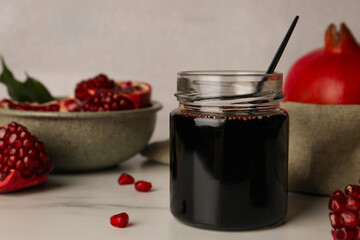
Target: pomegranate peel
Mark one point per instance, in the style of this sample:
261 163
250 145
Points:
138 92
15 181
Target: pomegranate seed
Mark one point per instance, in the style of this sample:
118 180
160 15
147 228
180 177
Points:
336 220
353 190
11 161
39 145
357 233
12 127
12 138
32 153
24 135
350 219
344 234
54 107
18 144
2 132
143 186
120 220
70 105
21 153
352 203
20 166
337 204
28 144
12 151
125 179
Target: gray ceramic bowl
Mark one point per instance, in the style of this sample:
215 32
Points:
90 140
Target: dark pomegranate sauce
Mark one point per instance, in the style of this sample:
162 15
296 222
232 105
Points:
229 172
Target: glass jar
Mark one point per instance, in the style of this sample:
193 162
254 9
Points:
229 150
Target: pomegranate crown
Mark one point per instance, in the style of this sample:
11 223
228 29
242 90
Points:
340 41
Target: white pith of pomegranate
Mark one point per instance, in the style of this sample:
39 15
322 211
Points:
24 161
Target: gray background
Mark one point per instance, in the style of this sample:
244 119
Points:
63 42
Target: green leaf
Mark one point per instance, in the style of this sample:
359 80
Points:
29 91
14 87
36 91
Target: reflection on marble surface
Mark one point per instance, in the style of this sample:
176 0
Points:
79 206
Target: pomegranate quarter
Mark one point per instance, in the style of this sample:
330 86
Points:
24 161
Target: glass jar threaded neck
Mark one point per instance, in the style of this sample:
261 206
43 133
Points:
229 92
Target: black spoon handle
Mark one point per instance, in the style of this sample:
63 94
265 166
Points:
278 53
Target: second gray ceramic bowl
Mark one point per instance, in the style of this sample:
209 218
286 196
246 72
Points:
88 141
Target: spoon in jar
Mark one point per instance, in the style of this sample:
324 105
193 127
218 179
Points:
278 54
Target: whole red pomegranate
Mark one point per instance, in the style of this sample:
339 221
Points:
330 75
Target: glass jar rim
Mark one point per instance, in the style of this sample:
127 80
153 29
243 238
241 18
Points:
229 90
228 73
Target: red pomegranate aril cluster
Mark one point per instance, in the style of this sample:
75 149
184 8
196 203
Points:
345 213
23 152
107 100
6 103
84 89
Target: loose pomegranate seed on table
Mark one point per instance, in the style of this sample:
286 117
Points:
125 179
120 220
143 186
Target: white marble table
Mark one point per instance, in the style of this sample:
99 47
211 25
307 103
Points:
78 206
